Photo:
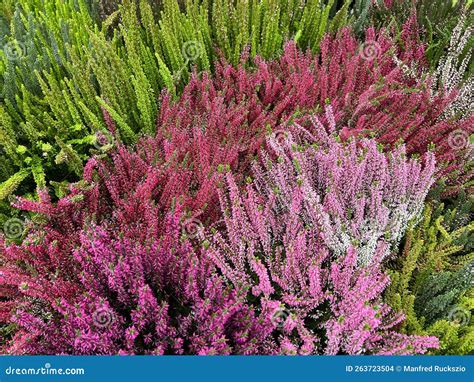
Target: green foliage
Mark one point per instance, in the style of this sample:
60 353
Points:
432 280
46 92
437 19
64 64
62 61
12 183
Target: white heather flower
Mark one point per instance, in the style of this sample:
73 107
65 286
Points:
449 75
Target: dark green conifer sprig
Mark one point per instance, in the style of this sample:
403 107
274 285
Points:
432 281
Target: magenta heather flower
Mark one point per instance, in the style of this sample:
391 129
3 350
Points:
222 119
127 296
294 266
112 270
319 304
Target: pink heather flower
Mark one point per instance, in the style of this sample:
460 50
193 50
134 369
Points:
317 303
114 270
355 194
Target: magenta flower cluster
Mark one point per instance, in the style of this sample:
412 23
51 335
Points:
113 271
257 220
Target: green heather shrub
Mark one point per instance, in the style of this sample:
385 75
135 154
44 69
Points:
432 281
62 68
37 129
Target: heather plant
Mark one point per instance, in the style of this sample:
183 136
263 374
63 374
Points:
60 65
453 72
366 86
431 282
394 113
232 26
112 268
126 188
356 195
369 98
134 189
437 20
321 304
120 295
236 177
45 44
